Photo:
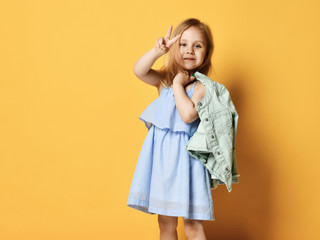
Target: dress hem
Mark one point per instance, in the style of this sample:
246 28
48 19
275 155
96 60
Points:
152 210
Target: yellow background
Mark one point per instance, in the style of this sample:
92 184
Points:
70 135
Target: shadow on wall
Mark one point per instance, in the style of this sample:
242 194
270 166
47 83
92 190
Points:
245 213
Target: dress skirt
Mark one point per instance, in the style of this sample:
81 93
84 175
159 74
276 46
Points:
168 181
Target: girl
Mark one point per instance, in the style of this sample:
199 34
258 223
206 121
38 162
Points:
167 180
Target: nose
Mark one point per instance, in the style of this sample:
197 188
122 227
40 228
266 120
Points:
190 50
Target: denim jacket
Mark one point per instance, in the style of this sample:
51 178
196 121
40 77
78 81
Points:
215 139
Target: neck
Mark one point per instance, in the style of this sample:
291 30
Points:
191 72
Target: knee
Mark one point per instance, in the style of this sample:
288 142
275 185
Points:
193 228
167 223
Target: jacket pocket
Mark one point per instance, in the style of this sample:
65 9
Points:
222 121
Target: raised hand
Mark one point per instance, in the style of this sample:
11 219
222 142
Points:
183 78
163 44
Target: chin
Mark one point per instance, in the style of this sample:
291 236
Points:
191 69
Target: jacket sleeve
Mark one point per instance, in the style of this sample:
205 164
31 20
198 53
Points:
226 100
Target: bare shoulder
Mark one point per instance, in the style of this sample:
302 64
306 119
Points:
199 92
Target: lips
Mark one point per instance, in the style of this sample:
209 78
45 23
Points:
189 59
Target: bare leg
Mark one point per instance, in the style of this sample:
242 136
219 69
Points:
168 227
194 229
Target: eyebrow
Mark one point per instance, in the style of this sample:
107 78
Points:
195 41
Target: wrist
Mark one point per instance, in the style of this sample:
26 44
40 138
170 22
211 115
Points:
176 84
157 53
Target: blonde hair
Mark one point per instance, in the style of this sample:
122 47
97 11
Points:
171 68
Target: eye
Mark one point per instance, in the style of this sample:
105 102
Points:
182 44
198 46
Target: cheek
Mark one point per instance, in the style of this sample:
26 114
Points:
177 57
179 54
201 55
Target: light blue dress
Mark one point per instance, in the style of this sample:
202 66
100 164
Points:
167 180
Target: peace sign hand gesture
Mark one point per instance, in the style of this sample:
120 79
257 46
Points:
163 44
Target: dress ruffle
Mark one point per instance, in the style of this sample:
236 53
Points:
163 114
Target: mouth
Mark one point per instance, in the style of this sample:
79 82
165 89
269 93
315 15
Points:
190 59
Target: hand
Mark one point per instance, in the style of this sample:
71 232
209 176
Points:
183 78
163 44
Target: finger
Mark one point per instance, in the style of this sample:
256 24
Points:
169 32
161 44
173 40
161 41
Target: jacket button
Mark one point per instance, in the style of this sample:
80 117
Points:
218 153
227 169
206 119
200 104
212 136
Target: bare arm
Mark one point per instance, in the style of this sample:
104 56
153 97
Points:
186 106
142 69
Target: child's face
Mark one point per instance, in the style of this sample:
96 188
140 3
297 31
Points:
192 49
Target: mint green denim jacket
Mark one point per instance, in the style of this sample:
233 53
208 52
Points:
215 139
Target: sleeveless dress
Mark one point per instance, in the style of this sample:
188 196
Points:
167 180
